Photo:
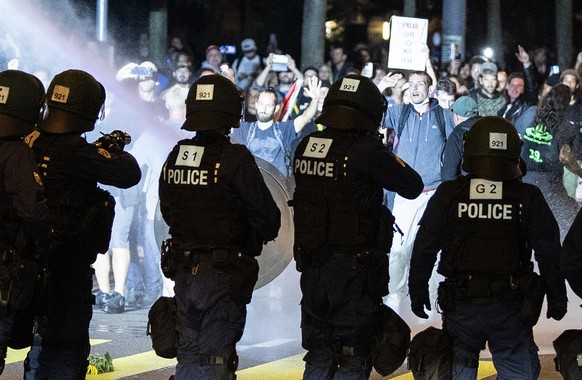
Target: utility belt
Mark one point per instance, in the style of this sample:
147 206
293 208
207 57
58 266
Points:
337 258
176 254
525 289
372 264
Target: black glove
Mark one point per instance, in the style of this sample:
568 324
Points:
556 310
418 302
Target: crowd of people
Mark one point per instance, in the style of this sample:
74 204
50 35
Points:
415 125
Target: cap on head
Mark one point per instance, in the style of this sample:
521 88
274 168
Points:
353 101
22 100
488 68
248 45
212 47
213 102
75 100
492 150
465 106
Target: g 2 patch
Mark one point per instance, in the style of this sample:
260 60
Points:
317 147
349 84
60 94
204 91
4 92
498 141
190 155
483 189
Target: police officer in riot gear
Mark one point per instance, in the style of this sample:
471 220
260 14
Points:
220 213
487 224
80 219
342 230
23 212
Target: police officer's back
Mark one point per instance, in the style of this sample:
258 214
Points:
487 224
23 212
80 215
342 230
220 213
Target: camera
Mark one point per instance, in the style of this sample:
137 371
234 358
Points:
279 63
117 137
555 69
143 71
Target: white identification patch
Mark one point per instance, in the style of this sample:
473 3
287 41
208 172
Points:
190 155
484 189
4 91
204 92
498 141
60 94
317 147
349 84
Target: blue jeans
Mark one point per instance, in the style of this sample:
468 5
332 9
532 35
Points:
510 341
146 275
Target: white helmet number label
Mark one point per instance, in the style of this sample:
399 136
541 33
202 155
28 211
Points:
204 92
60 94
190 155
349 84
4 91
317 147
498 141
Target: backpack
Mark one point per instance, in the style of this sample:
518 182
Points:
392 343
431 355
568 358
162 327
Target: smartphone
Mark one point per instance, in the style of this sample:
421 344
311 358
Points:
368 70
143 71
228 49
555 69
280 63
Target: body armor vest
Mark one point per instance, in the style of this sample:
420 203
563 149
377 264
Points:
485 230
327 212
204 212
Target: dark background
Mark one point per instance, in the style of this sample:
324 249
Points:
226 22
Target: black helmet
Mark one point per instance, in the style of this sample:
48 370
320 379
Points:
492 150
75 101
213 102
22 102
353 101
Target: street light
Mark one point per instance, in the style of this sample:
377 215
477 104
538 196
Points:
488 52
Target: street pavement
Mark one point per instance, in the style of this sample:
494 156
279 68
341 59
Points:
271 345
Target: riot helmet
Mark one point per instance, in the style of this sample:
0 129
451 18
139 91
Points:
213 102
22 102
353 101
75 101
492 150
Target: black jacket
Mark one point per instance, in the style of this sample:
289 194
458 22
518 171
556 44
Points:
220 199
22 206
540 231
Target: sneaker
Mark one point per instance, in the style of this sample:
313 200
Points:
100 299
115 304
133 298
